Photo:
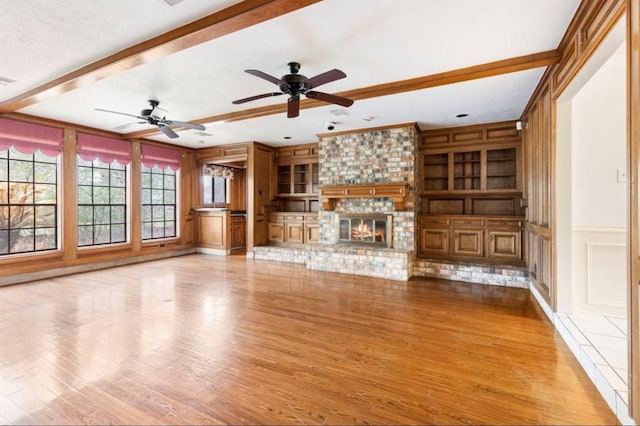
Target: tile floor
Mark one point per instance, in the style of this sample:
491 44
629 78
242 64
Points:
600 345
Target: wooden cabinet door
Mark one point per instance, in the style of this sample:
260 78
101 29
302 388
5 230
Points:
294 232
467 242
211 230
311 233
434 240
505 244
276 232
237 232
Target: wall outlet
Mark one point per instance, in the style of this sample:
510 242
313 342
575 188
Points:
622 175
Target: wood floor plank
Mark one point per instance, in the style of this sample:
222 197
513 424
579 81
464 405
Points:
227 340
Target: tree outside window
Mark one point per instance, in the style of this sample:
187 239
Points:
159 201
28 202
102 202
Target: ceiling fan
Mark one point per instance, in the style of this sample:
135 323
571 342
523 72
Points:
295 84
154 117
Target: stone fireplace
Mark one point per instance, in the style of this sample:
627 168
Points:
367 181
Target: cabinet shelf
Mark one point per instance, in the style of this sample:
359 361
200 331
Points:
297 179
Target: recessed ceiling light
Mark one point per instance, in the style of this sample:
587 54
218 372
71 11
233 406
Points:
462 115
367 118
287 137
339 112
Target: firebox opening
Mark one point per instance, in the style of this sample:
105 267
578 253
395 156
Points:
364 229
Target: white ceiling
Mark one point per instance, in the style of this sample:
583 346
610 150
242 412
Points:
372 41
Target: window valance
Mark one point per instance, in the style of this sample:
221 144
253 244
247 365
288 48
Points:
217 171
107 150
162 157
28 138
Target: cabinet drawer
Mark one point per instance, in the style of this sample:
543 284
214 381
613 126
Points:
427 220
311 218
493 223
294 218
276 217
467 222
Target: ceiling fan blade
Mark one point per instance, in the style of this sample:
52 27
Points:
265 76
121 113
127 125
326 77
167 131
253 98
339 100
293 107
184 124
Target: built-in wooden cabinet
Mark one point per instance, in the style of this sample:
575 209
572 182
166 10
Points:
297 193
297 170
297 179
485 238
293 228
470 200
213 229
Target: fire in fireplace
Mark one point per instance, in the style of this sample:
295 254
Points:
369 229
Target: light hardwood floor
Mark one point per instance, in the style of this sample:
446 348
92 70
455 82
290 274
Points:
209 340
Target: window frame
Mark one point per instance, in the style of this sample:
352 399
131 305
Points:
56 225
212 180
127 203
176 202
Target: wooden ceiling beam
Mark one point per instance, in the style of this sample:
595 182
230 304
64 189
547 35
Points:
226 21
520 63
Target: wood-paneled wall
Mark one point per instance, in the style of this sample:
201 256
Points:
260 192
591 23
593 20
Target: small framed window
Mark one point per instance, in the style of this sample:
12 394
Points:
215 189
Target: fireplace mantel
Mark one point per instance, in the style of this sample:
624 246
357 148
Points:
330 193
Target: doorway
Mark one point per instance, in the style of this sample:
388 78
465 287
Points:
592 211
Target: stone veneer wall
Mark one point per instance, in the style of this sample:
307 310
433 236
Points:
370 157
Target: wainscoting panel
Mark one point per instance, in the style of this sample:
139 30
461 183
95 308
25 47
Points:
600 270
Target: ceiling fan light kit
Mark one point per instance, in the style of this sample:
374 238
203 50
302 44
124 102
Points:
294 85
152 116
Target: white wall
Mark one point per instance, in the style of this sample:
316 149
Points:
598 197
599 147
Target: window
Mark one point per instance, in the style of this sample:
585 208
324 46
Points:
215 189
159 194
102 202
28 201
